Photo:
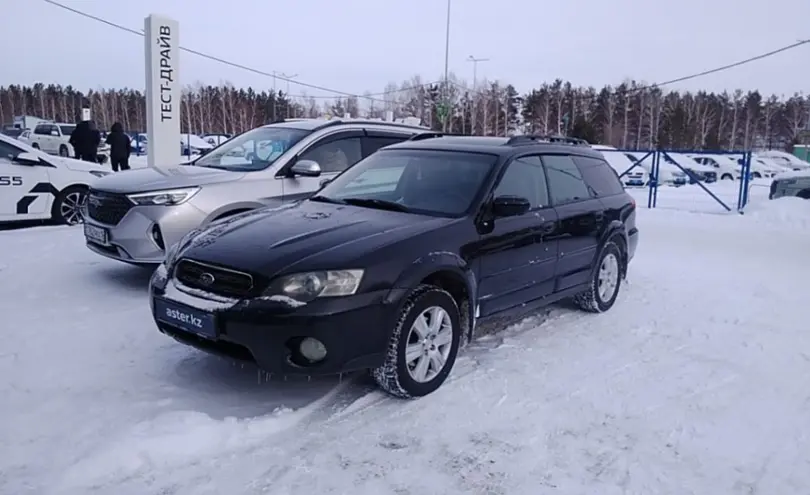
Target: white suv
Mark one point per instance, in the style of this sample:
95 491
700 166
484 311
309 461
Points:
36 186
53 138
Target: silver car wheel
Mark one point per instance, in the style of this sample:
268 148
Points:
608 278
428 345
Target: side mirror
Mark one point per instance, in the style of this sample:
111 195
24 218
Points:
510 206
324 182
55 133
306 168
27 158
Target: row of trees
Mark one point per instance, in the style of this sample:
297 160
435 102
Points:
630 115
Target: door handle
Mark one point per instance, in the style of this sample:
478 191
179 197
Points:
548 227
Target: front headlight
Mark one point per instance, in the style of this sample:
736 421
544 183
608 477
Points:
167 197
305 287
99 173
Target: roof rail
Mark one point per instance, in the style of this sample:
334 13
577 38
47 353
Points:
533 138
434 134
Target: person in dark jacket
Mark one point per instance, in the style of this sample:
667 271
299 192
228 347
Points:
85 139
120 147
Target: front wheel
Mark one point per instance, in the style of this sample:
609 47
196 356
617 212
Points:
606 281
67 208
423 345
726 177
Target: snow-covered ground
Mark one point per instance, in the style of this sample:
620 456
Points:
695 382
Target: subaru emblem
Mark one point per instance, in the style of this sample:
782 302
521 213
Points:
207 279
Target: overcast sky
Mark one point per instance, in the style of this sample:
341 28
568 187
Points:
358 45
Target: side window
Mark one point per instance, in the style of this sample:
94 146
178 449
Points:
599 176
565 182
335 156
524 177
373 143
42 130
8 151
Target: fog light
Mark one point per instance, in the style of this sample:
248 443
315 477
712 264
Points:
157 236
312 349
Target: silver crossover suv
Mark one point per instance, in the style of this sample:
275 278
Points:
793 183
134 216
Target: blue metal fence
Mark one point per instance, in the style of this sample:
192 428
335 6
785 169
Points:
663 154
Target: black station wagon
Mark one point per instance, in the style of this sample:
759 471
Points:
403 258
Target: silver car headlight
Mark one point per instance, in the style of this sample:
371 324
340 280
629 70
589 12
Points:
167 197
306 287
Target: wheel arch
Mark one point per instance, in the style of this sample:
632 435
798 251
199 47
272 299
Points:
447 271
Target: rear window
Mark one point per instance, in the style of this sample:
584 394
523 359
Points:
599 176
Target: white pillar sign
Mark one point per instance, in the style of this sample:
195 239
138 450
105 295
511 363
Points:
85 114
162 91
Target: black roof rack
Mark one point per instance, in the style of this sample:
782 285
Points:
433 134
556 139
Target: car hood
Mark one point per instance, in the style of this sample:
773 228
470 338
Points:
79 165
304 236
157 179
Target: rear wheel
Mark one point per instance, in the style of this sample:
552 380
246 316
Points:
67 207
63 151
726 177
606 281
423 345
804 194
35 146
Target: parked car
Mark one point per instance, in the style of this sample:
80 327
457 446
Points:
667 173
52 138
786 159
703 173
37 186
393 264
793 183
134 216
621 163
191 144
215 139
25 137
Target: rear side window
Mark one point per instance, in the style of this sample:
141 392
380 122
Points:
565 182
599 176
42 129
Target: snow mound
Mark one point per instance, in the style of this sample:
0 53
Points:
787 212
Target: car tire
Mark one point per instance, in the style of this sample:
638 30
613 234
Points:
726 177
67 207
420 376
63 151
35 146
606 280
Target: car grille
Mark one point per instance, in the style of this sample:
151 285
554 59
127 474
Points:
107 208
217 280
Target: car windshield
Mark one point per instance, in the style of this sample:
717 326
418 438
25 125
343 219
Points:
438 183
254 150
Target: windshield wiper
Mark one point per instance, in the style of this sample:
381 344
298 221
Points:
325 199
379 204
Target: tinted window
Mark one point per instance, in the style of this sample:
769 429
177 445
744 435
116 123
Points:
565 181
254 150
601 178
67 129
373 143
8 151
42 129
335 156
525 178
441 183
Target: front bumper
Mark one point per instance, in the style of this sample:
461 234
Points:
143 233
355 330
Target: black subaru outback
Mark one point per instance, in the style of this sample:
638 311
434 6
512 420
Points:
401 259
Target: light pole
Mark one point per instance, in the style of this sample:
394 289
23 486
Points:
288 77
446 69
475 62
